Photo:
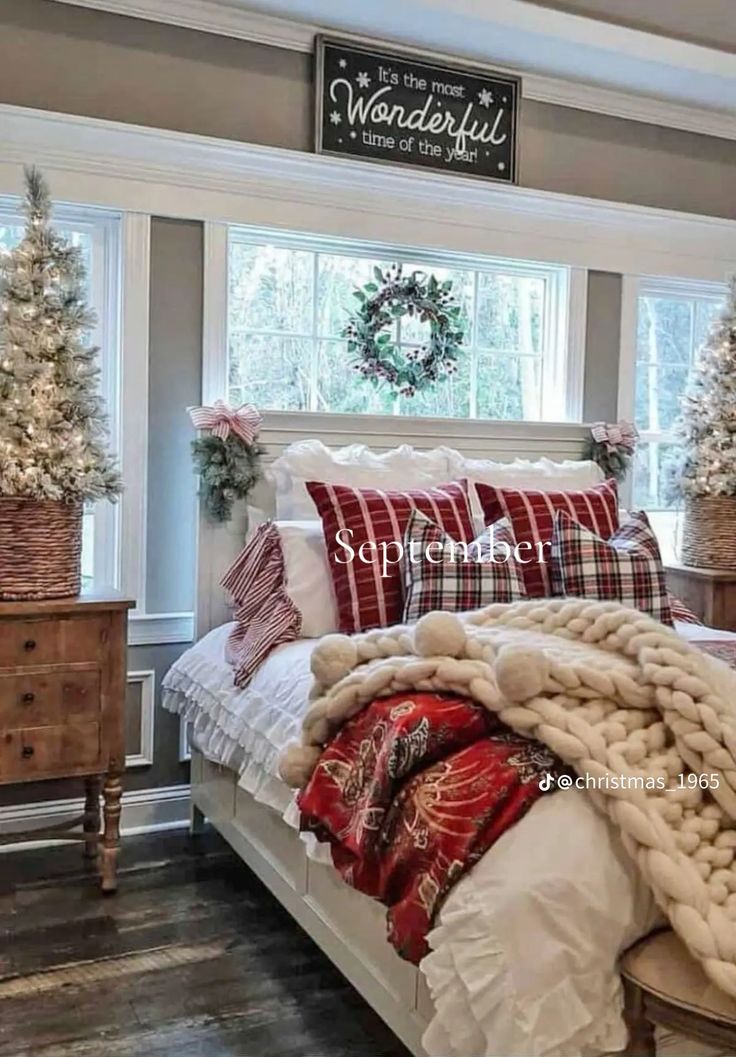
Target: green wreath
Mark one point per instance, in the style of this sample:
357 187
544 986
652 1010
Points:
390 297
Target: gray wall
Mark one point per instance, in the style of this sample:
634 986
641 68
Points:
602 342
57 57
175 383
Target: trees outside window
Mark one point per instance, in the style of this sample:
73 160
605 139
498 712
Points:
289 299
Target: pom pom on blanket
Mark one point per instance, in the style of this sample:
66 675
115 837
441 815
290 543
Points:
333 659
297 763
439 635
521 673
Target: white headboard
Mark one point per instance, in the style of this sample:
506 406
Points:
218 545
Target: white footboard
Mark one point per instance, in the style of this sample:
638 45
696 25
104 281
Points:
349 927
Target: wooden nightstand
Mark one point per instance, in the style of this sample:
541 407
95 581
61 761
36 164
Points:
710 593
663 984
62 699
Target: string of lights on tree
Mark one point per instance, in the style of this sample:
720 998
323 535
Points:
52 425
706 429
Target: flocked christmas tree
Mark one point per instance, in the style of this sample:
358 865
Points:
706 429
52 425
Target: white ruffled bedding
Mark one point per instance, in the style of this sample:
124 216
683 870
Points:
525 946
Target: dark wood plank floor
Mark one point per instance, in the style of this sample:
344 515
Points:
192 958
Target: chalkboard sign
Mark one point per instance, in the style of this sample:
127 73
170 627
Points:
392 107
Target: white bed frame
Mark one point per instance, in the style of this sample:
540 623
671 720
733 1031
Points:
349 927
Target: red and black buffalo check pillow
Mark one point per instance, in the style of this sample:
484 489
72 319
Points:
372 522
440 573
626 568
531 514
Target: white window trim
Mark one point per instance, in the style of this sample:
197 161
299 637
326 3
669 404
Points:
563 359
133 389
634 287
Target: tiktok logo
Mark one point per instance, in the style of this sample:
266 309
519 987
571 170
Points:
545 783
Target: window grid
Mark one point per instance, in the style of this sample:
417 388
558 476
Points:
655 438
97 233
553 328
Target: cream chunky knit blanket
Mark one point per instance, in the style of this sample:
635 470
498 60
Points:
614 694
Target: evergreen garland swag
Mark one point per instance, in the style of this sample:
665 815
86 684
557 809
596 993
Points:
612 447
228 470
53 430
388 298
227 455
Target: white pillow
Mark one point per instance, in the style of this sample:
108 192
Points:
307 573
544 475
356 465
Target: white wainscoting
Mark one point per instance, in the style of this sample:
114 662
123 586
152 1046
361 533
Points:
147 681
156 629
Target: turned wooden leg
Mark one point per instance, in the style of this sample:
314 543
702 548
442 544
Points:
91 824
641 1030
112 790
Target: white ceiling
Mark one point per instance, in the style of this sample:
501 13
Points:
523 35
709 22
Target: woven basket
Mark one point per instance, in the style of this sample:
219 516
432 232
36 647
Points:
709 532
40 548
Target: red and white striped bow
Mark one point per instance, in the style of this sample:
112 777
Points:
614 435
219 419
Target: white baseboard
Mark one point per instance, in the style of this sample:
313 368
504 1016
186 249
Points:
144 811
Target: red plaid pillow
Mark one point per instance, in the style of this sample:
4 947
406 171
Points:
626 568
531 515
372 523
456 577
265 615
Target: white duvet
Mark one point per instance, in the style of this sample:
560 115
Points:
525 947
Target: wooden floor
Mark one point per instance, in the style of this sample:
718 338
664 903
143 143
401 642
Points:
191 957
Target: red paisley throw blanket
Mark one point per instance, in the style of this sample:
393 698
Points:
410 794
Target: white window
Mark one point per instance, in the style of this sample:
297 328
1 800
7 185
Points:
669 320
97 232
290 296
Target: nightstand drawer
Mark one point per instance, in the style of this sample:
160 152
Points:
47 700
31 642
43 752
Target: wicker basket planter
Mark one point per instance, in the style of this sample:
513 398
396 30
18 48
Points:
709 532
40 548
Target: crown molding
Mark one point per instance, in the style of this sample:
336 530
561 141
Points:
223 19
165 173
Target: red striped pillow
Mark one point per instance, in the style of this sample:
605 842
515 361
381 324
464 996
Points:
367 517
265 615
532 518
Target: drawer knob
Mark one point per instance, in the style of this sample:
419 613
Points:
28 698
27 752
29 644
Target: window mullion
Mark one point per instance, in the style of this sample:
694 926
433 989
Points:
314 343
474 352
